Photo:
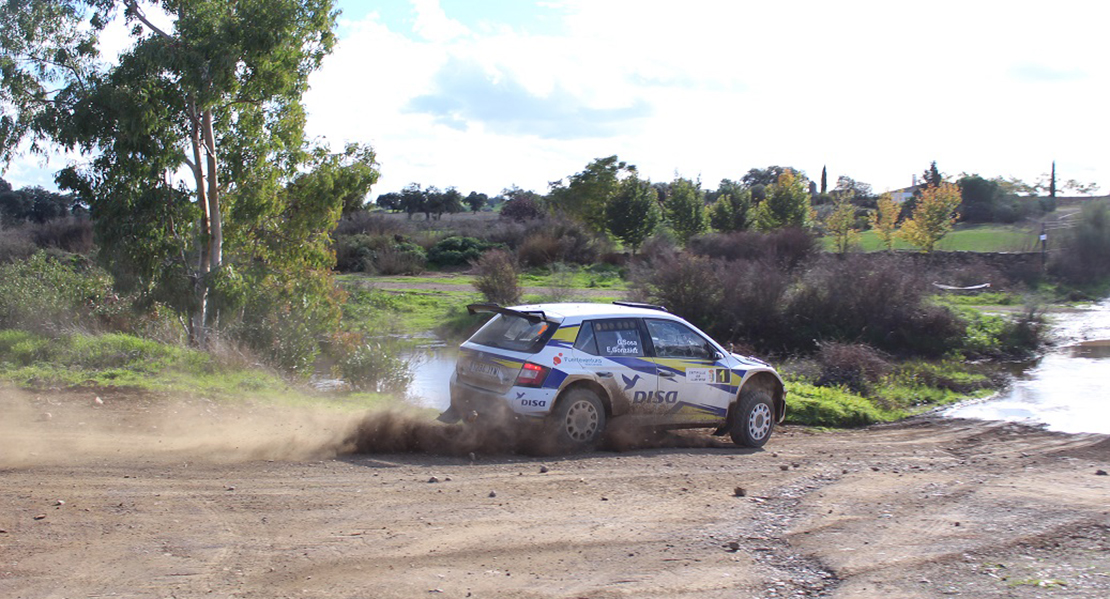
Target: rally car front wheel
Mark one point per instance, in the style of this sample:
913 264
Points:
578 420
752 419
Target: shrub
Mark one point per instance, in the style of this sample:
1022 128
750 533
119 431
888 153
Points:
522 209
46 294
457 251
1000 337
851 365
282 316
380 254
368 223
811 405
498 277
15 244
560 240
70 234
375 366
751 303
1083 258
880 302
785 247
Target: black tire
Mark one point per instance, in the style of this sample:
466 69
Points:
753 419
578 420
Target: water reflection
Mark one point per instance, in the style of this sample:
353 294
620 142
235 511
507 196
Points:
1066 390
431 375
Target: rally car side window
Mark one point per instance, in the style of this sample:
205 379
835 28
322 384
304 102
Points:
586 341
674 340
618 337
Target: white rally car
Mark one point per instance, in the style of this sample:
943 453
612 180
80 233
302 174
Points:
579 365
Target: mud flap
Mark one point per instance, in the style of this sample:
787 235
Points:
450 416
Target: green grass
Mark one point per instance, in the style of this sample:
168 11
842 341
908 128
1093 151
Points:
402 312
970 238
912 388
115 360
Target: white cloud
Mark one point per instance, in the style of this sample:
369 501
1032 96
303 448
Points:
873 89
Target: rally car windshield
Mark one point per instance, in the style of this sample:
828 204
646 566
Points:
514 333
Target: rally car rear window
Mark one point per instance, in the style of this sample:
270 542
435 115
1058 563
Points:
617 337
514 333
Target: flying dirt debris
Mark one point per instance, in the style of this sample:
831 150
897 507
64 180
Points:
401 432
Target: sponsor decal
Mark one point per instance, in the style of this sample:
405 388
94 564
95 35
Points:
533 403
629 382
655 397
583 362
708 375
558 359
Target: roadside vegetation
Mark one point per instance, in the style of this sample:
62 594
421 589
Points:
279 272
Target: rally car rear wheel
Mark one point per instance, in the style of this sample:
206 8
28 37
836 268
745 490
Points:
752 419
578 420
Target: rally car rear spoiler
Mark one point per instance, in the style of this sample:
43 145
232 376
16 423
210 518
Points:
532 317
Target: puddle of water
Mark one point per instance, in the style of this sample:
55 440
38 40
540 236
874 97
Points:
1066 390
431 376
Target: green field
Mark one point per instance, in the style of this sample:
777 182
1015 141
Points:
968 238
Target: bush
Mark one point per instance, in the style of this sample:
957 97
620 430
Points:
999 337
560 240
880 302
687 285
375 366
1083 258
457 251
811 405
368 223
378 254
851 365
15 244
70 234
522 209
787 248
46 294
498 277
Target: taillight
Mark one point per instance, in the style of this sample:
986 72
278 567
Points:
531 375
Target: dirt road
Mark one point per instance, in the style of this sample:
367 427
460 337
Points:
138 497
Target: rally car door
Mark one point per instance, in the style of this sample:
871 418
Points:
615 351
694 378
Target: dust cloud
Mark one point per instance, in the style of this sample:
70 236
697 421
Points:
71 427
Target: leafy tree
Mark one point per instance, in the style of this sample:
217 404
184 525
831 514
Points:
979 199
841 224
766 176
218 94
476 201
521 205
437 202
34 204
854 191
350 174
731 211
585 195
685 209
787 205
413 199
884 220
632 215
391 201
933 217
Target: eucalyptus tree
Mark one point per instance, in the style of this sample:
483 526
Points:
192 138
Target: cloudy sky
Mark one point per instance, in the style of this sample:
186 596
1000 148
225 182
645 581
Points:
486 94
